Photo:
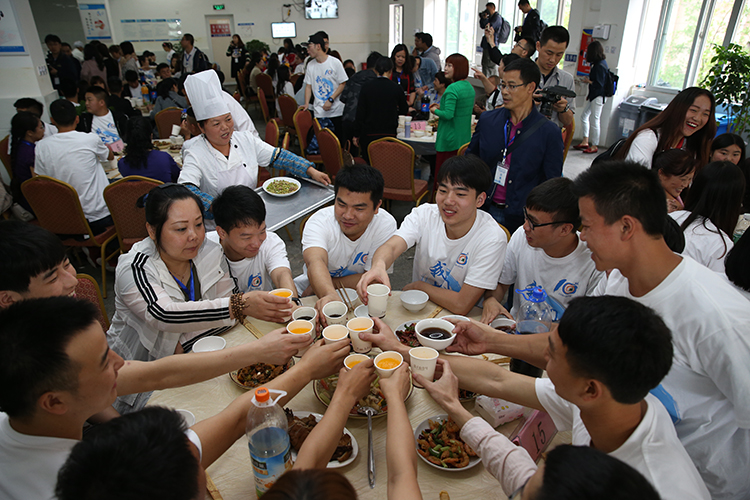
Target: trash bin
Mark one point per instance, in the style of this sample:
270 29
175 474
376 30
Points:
629 114
649 109
722 121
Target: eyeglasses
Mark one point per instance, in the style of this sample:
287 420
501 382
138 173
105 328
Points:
510 86
535 225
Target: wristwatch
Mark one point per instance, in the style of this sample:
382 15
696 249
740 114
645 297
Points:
567 108
330 99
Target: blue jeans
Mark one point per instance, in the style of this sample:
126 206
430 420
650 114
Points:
511 222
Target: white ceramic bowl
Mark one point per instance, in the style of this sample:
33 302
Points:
455 317
208 344
502 322
177 140
437 344
351 294
414 300
361 312
187 416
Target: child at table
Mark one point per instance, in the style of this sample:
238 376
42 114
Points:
460 249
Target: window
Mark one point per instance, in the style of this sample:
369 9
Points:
395 26
687 32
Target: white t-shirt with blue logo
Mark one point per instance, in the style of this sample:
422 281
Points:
324 78
255 273
563 278
345 257
475 259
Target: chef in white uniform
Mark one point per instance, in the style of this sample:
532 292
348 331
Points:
223 157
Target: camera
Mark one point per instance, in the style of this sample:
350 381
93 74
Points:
484 14
550 96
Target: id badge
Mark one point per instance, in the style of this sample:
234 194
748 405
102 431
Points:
236 60
501 173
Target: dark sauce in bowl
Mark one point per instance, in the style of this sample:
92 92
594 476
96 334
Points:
435 333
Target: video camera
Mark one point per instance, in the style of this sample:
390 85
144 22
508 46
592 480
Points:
550 96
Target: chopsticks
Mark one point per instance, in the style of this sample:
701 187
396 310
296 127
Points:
251 328
434 313
212 489
344 296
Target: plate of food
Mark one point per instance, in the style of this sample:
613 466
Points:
406 334
162 144
253 376
325 388
440 446
301 423
281 186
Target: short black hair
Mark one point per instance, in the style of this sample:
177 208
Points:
161 66
131 76
52 38
384 65
158 201
735 263
621 343
523 2
530 45
725 140
127 48
620 188
63 112
360 178
557 34
238 206
98 92
556 197
66 44
468 170
26 250
189 37
33 360
68 87
144 454
509 58
585 473
425 37
31 105
373 58
528 70
115 85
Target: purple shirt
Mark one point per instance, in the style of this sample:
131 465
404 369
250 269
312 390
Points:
159 165
499 196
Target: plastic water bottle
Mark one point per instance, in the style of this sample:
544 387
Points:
268 440
742 225
534 316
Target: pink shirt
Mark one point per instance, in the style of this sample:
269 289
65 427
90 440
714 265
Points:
499 195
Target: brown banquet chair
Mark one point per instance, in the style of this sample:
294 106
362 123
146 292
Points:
88 289
165 119
130 221
330 151
395 160
303 122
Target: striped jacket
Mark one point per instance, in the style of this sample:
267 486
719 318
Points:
152 315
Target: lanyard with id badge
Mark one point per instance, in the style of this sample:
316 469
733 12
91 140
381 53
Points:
503 166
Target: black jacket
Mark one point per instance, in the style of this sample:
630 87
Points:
380 103
532 26
121 122
121 105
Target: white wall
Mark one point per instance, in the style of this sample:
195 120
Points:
19 75
354 34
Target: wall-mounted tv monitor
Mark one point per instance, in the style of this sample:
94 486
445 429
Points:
283 30
321 9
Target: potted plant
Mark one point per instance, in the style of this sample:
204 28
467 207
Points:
257 46
729 81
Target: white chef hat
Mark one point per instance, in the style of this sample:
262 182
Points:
205 94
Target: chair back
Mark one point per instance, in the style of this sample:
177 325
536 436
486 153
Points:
242 81
330 151
293 79
505 230
121 197
567 135
88 289
265 83
303 121
462 149
395 160
273 132
56 205
263 104
165 119
285 141
5 157
288 107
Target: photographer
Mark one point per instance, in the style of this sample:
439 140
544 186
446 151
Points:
551 50
491 19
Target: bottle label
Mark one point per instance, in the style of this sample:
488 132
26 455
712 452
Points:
425 107
268 470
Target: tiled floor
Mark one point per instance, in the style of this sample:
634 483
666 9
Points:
575 163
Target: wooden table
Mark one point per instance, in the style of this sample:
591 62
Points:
232 472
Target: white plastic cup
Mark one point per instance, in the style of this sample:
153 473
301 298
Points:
307 312
353 359
301 327
423 361
377 299
387 372
357 326
175 130
335 333
335 313
286 294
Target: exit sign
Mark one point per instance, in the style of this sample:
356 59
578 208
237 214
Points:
219 6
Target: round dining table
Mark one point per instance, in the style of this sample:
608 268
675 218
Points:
232 473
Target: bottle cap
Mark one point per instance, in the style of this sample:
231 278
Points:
538 294
261 395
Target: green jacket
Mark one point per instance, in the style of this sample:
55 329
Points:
456 107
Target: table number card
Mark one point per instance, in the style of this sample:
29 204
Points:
535 434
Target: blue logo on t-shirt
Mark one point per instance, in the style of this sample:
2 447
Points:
566 287
341 272
254 282
669 403
360 258
441 271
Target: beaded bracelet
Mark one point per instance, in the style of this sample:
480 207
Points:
237 306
